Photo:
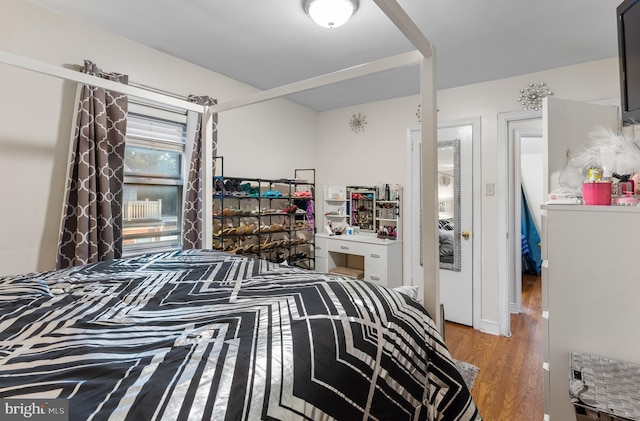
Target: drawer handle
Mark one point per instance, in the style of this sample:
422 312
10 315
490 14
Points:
344 247
375 256
374 278
318 248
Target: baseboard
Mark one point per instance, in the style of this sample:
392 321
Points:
488 326
515 308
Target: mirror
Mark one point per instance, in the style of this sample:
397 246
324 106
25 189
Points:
449 204
361 207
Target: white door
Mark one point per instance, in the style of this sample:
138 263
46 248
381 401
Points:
455 169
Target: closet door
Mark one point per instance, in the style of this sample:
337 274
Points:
455 167
455 201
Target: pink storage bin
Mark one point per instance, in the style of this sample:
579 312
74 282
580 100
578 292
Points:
598 193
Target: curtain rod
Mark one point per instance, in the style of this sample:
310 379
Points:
80 68
81 77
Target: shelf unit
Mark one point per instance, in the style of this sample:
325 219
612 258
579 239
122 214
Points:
388 223
388 219
361 205
336 213
272 219
371 209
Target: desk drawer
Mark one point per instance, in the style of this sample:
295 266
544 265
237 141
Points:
375 274
321 264
346 247
376 255
321 245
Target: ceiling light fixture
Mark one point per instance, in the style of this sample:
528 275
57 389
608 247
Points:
330 13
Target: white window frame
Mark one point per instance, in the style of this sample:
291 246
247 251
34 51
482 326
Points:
146 140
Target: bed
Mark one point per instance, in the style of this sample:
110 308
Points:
446 245
445 239
203 334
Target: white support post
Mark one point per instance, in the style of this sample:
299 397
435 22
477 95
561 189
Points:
207 185
399 17
402 60
431 264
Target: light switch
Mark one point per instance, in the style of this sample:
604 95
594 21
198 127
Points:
491 189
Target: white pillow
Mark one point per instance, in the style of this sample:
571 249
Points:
410 290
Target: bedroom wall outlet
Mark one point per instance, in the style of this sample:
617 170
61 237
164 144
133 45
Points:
491 189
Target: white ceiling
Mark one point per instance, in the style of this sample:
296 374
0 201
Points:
269 43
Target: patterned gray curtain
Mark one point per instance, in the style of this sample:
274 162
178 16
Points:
92 221
193 212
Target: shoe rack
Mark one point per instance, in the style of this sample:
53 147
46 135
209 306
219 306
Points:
272 219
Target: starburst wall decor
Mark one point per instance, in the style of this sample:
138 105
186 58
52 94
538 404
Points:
357 122
531 96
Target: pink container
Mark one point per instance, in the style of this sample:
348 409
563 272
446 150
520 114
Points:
626 200
598 193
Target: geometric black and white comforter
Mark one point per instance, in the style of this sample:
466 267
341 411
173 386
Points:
201 334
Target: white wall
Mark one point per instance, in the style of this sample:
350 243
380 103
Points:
379 153
268 140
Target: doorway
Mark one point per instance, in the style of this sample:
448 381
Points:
525 138
519 133
459 278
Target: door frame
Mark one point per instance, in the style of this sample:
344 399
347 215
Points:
516 249
506 223
476 235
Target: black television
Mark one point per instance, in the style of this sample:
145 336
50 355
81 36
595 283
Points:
629 53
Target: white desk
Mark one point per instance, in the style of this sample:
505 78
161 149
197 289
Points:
382 258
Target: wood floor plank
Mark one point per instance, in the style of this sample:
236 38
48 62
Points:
509 384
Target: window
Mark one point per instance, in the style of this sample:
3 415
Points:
153 179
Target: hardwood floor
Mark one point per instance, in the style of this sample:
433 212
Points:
509 385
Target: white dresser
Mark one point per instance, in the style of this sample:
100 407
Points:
590 292
382 259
